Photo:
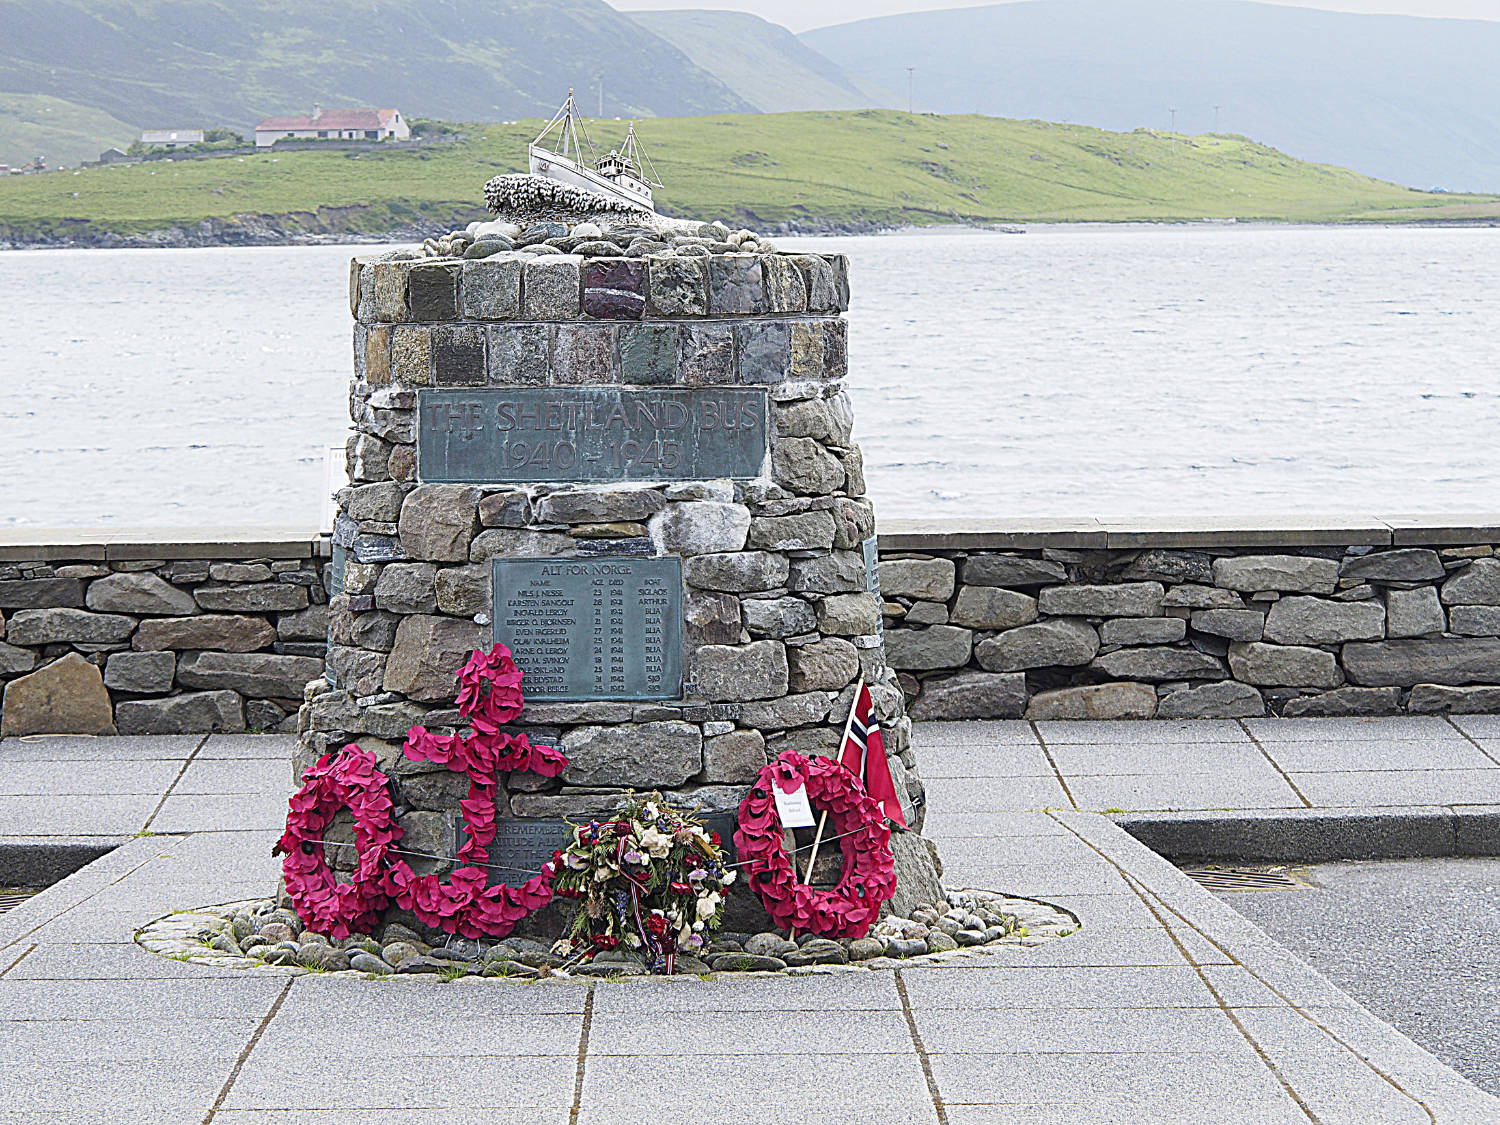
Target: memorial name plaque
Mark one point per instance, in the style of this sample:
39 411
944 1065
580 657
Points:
592 629
519 435
522 846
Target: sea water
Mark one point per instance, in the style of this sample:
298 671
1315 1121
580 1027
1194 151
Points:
1068 371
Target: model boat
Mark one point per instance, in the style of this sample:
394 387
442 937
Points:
625 174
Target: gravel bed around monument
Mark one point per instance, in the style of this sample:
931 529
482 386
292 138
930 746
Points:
258 935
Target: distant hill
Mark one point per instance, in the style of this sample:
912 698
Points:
1412 100
33 125
844 170
193 63
762 62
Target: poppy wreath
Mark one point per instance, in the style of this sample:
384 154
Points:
869 875
489 696
352 781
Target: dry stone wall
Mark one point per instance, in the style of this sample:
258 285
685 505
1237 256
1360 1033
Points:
159 638
1216 631
1397 642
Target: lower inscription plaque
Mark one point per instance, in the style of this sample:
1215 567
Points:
521 847
586 629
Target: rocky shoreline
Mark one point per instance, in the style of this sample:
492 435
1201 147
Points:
327 227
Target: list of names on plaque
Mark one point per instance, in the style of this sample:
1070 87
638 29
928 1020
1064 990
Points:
582 629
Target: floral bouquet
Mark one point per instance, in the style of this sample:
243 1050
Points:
651 880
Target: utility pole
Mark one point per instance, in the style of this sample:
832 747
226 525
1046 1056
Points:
600 79
1216 119
910 87
1173 112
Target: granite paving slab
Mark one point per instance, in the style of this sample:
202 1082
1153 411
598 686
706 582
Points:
160 1039
1371 756
1477 726
1084 758
1372 788
1153 732
222 812
88 748
275 746
1380 729
1262 788
234 776
999 760
87 777
465 1078
64 815
981 733
983 794
1080 1031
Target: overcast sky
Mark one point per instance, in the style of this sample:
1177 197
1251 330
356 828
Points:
802 15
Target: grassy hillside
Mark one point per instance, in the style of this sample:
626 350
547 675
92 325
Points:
1407 99
760 61
202 63
843 169
34 125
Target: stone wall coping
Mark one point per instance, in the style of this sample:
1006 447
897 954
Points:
164 543
123 544
1166 532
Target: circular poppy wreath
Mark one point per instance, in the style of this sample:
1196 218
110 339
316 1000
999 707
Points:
869 875
489 695
349 781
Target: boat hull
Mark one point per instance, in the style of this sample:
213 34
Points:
565 171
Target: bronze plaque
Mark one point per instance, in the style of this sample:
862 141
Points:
592 629
519 435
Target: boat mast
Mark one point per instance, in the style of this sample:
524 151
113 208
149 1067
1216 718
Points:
567 117
635 154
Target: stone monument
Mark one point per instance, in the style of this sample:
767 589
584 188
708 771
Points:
625 450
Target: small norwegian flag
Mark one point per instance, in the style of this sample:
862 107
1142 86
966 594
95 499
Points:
864 755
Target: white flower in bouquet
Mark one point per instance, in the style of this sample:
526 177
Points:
708 905
658 844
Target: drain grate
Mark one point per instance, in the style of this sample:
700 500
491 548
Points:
9 900
1248 878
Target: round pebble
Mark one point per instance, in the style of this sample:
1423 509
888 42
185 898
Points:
369 963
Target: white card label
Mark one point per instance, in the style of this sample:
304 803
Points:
793 808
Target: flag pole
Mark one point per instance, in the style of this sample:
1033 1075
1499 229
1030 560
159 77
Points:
823 820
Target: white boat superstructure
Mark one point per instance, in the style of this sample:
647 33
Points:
625 173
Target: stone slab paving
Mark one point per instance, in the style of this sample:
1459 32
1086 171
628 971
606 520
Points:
1167 1006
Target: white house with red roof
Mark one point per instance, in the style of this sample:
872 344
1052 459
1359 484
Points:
334 125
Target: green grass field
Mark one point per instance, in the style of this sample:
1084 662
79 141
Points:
826 168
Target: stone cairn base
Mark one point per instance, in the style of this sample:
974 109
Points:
497 402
